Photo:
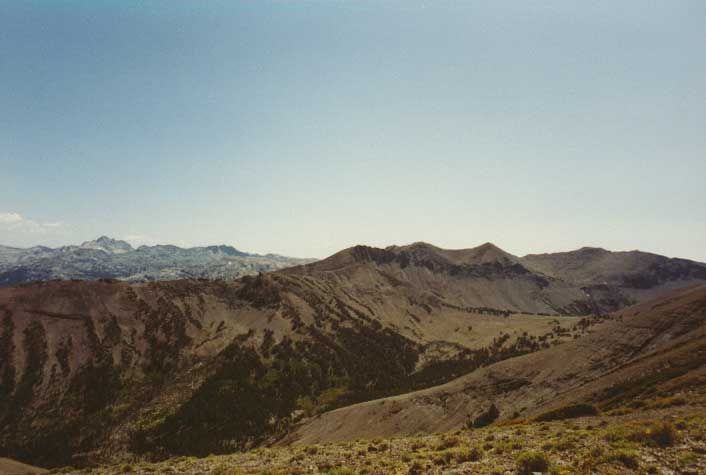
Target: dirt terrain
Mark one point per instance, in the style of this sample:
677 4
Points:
657 346
12 467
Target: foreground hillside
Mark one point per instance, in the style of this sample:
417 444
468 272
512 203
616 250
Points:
115 259
669 438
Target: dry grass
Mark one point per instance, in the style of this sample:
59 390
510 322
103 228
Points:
671 440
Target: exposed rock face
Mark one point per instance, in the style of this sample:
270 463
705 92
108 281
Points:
104 243
581 282
614 279
114 259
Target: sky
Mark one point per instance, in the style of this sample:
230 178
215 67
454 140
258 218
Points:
304 127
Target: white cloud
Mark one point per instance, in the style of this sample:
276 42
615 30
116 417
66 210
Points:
10 218
18 223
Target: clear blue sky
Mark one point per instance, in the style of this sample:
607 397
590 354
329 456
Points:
303 127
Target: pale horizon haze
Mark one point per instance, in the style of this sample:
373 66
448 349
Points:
305 127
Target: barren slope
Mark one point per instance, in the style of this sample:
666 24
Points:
618 276
12 467
654 346
483 277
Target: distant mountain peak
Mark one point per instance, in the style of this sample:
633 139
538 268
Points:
107 244
418 253
225 249
590 249
489 253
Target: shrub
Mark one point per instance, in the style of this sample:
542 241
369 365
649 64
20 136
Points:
443 458
417 468
663 434
659 434
475 454
311 450
466 455
417 446
486 418
669 402
224 470
626 457
566 444
447 442
340 471
532 461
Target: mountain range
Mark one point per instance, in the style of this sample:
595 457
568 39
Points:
110 371
107 258
585 281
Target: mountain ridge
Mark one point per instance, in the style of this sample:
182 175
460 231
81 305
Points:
555 280
106 257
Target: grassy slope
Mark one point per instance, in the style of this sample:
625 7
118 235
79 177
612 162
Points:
631 443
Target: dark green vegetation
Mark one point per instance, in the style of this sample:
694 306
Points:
485 418
255 391
532 461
